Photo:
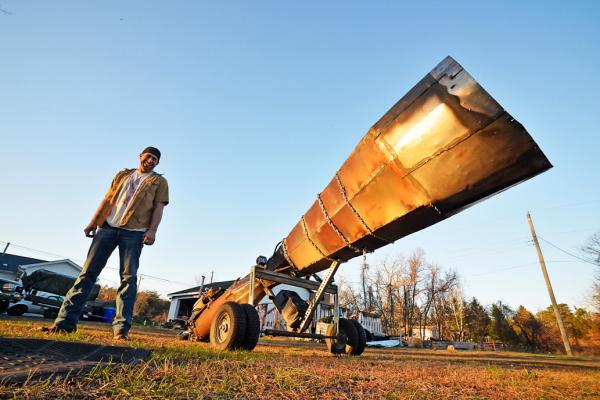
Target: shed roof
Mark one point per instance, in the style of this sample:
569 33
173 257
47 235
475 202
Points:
196 289
10 262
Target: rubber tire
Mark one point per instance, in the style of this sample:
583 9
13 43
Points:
347 340
50 313
369 335
252 327
17 310
4 305
362 338
235 327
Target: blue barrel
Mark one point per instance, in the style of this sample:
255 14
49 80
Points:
109 314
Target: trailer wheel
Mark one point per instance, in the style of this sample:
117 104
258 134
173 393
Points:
252 327
228 327
3 305
362 338
347 339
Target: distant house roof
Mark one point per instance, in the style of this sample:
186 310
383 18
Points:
46 264
10 262
196 289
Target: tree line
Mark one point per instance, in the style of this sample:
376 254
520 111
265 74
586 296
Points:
149 306
411 295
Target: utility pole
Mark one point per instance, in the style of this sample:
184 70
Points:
211 276
139 282
391 303
561 326
363 279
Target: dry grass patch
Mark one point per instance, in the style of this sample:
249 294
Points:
300 370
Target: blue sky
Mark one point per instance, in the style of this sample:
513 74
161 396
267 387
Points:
256 104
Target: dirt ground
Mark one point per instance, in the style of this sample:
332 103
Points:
300 370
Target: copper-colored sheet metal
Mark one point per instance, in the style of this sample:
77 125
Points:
444 146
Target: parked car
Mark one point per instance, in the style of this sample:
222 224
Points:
10 292
41 306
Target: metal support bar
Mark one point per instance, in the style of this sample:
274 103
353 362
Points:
273 332
321 289
336 313
259 273
252 278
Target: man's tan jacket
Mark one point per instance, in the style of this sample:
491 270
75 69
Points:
153 190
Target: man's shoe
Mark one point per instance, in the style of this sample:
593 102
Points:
119 335
57 329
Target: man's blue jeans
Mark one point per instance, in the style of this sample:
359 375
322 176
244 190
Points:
105 241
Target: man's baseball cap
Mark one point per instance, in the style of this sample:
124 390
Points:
152 150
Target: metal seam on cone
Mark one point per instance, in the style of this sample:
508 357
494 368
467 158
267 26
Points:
452 145
335 228
388 151
362 221
311 241
286 255
406 106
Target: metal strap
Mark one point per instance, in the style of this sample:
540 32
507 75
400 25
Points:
313 243
335 228
362 221
286 255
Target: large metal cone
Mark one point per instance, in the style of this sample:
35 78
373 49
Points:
444 146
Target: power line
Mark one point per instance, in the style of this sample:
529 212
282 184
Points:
82 261
491 272
516 267
581 203
570 254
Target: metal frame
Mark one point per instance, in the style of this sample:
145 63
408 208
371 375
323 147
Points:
325 286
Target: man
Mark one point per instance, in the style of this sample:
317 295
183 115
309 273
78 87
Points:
128 218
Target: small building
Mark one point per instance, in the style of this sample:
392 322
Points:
429 332
183 301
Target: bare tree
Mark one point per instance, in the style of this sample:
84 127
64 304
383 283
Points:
410 288
458 305
436 297
429 293
385 294
592 248
349 297
408 293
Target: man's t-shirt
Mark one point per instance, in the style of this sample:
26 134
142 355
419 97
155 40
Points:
127 193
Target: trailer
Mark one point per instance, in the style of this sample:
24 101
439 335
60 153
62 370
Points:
58 285
444 146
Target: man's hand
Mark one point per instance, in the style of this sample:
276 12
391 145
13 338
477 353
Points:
90 230
150 237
